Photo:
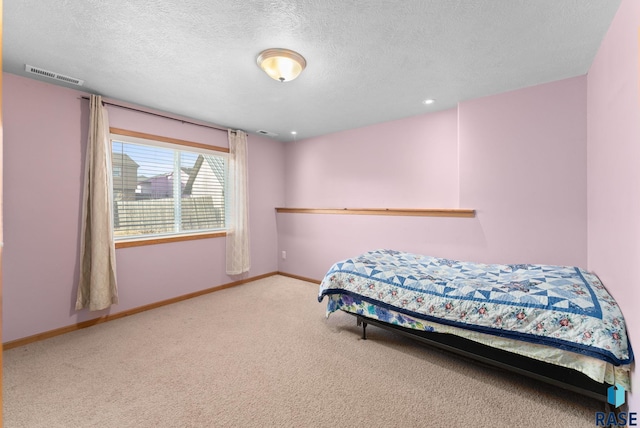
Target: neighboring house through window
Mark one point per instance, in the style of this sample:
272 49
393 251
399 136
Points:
125 176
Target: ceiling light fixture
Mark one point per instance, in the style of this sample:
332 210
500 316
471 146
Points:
429 101
281 64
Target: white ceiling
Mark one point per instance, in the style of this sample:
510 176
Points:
368 61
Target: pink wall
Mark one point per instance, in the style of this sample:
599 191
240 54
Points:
45 134
408 163
523 167
518 158
613 99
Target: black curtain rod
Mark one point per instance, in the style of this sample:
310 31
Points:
165 117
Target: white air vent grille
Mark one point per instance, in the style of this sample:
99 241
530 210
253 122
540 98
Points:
267 133
53 75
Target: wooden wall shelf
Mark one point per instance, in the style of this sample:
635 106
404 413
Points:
455 212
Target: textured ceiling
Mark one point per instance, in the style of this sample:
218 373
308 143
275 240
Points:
368 61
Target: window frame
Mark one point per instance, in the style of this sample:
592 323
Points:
134 137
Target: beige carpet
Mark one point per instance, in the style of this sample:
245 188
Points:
263 355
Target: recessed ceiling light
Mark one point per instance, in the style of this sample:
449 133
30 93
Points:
429 101
293 132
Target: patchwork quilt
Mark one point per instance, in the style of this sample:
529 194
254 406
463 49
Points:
561 306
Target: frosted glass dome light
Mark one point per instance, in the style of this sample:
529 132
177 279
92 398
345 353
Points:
283 65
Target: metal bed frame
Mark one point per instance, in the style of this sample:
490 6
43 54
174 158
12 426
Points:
562 377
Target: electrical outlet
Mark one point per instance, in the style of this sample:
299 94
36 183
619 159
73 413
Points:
284 255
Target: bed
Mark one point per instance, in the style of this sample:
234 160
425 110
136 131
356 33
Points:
557 324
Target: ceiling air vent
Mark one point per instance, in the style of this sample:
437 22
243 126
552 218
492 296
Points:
267 133
53 75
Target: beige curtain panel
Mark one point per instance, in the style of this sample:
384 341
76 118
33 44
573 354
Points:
238 260
97 288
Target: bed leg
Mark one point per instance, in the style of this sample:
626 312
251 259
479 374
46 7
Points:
608 408
360 322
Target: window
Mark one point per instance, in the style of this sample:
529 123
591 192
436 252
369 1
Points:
162 189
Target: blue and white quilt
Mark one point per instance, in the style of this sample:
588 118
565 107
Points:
561 306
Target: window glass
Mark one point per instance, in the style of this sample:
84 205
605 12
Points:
166 189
